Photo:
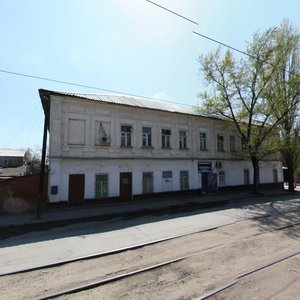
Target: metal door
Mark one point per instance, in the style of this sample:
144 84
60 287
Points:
76 189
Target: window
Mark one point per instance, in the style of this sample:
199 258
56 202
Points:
167 181
182 139
165 138
220 143
76 134
232 143
244 144
126 132
203 141
222 178
147 182
167 174
147 137
275 175
184 180
101 186
246 176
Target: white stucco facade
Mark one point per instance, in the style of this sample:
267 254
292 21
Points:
93 138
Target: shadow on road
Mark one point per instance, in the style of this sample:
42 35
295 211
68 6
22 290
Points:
281 210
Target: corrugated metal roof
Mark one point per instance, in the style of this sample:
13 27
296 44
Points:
12 152
130 101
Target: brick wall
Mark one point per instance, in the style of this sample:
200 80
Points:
20 194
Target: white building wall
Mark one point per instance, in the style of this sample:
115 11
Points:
89 158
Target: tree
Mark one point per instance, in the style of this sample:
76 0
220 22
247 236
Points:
284 88
33 161
239 94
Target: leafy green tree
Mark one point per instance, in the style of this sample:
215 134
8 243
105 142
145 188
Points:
284 90
239 93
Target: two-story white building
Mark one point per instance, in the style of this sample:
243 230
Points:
115 146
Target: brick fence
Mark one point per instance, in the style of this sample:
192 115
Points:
20 194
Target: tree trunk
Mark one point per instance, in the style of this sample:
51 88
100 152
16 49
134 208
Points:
256 179
290 171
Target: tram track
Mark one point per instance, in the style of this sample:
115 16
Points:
141 267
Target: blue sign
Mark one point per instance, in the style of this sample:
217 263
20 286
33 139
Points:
54 190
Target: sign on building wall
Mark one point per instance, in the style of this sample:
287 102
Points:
204 167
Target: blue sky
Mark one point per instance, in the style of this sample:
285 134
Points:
129 46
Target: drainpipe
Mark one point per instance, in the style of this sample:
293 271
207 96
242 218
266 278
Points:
42 174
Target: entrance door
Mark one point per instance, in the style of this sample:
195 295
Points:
76 189
126 186
204 183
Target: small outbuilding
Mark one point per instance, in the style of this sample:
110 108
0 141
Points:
12 158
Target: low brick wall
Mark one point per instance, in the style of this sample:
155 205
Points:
20 194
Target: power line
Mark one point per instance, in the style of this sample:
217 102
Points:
173 12
83 85
221 43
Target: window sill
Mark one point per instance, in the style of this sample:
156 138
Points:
126 147
184 148
166 148
147 147
204 150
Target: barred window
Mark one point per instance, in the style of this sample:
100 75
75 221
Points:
147 182
246 176
101 185
222 178
184 180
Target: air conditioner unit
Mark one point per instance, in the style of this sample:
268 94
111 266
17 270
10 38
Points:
104 139
219 165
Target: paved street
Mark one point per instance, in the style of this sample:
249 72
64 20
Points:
39 248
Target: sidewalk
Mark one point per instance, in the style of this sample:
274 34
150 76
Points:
101 212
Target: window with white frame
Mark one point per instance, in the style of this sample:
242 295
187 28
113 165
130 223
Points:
182 139
166 138
126 134
246 176
203 141
147 136
101 185
184 180
147 182
243 144
222 178
232 143
220 143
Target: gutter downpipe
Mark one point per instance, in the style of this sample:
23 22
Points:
42 174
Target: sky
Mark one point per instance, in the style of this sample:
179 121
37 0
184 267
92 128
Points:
126 46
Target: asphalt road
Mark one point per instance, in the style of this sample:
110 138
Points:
57 244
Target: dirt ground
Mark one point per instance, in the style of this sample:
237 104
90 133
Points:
220 255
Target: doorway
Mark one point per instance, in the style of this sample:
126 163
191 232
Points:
126 186
76 189
204 183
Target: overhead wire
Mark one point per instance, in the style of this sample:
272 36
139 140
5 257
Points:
219 42
173 12
29 118
84 86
